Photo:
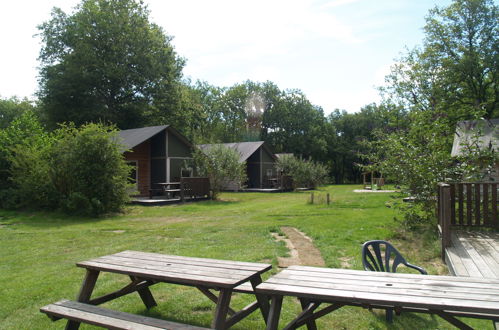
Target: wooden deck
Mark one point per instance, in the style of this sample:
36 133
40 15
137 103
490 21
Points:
473 254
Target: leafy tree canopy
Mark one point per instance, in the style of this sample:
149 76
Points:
452 77
13 108
107 62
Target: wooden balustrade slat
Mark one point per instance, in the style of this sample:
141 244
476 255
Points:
495 221
485 204
469 204
461 203
452 204
477 204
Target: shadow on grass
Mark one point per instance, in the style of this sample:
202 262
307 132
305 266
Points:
153 312
44 219
408 320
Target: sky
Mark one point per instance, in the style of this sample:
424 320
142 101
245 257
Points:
335 51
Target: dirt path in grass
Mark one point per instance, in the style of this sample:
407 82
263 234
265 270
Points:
301 248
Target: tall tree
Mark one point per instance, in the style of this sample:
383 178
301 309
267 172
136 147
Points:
452 77
291 123
13 108
108 62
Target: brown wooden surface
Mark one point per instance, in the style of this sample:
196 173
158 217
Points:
175 269
145 268
471 204
474 254
110 319
436 293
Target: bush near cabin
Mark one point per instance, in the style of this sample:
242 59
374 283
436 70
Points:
305 173
77 170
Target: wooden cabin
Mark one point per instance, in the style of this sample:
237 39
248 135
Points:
482 134
158 153
260 163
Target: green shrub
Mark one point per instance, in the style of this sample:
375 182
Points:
80 171
23 165
88 170
305 173
221 165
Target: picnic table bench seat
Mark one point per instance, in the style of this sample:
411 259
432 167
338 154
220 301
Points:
85 313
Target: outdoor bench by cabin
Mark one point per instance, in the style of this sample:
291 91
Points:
216 279
445 296
85 313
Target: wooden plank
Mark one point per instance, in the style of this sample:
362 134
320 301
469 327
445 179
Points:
491 238
164 276
495 220
380 299
171 269
489 255
460 202
392 276
466 259
107 318
475 257
364 279
388 288
452 204
485 198
173 266
454 262
477 205
366 284
261 267
469 204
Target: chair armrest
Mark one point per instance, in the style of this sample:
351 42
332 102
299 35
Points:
420 269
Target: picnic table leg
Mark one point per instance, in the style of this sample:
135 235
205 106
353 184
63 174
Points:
310 324
85 293
263 300
274 313
222 309
145 294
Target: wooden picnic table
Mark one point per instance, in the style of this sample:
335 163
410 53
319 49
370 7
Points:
217 279
446 296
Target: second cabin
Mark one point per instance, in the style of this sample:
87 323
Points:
260 163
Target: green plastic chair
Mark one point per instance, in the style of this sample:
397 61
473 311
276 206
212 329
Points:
384 262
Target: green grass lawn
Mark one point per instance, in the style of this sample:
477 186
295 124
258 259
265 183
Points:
39 252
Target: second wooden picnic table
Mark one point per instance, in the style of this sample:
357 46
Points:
445 296
217 279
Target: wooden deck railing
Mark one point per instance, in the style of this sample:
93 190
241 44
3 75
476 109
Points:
466 205
194 187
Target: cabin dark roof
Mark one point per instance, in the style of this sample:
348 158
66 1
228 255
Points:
135 136
245 149
487 132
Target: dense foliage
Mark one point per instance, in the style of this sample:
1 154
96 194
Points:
305 173
12 108
107 63
80 171
222 166
452 77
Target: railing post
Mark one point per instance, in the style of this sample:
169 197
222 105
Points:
445 214
182 190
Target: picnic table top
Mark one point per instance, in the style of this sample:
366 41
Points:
438 293
177 269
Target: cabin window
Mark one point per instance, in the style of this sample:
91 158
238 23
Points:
269 172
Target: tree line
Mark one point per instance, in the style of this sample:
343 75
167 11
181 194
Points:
106 62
